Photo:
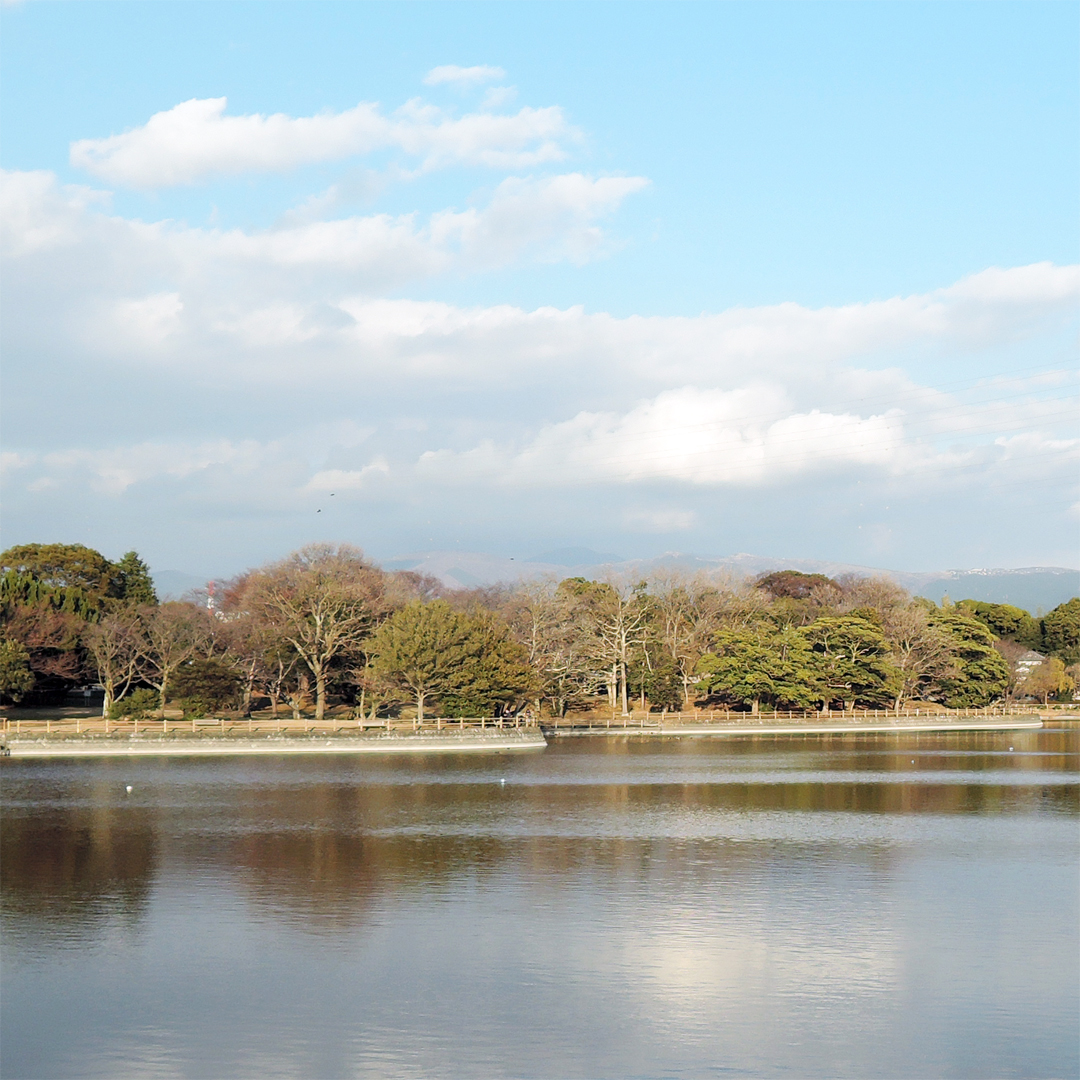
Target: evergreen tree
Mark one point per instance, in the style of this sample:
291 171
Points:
206 684
493 672
1006 621
1061 631
63 566
132 582
979 672
853 660
663 684
16 678
463 659
762 664
49 594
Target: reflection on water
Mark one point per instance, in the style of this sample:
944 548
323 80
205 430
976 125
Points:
826 906
75 868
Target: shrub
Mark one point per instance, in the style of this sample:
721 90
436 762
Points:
203 686
138 705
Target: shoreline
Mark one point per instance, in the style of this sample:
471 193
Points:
1003 723
217 746
468 741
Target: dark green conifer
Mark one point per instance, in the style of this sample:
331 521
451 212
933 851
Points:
132 582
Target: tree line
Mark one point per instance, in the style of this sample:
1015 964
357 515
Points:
326 627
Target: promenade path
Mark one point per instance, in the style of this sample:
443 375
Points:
800 723
81 736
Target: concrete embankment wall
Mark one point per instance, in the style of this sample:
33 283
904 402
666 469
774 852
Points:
999 723
203 746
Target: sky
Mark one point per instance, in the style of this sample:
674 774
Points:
799 280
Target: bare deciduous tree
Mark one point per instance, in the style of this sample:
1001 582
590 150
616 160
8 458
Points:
919 650
173 634
688 611
117 645
323 600
620 619
547 619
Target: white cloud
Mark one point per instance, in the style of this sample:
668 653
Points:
298 308
303 283
703 437
464 76
230 302
495 97
345 480
196 140
38 214
249 471
10 461
112 471
696 440
653 424
555 218
1038 283
148 320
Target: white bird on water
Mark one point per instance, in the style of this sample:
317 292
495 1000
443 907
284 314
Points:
128 789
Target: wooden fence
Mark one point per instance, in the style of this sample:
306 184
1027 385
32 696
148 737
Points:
721 718
334 725
331 725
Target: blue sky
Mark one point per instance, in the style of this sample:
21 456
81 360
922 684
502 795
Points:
792 279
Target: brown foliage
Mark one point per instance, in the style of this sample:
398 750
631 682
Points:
322 601
53 640
794 585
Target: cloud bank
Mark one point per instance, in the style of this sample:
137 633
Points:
196 140
741 398
231 379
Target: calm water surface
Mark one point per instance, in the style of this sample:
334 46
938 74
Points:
848 906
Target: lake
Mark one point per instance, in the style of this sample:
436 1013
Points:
820 906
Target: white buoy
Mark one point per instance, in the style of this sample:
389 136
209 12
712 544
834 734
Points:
128 789
1010 749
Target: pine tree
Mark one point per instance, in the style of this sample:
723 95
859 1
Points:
16 678
465 660
979 673
132 582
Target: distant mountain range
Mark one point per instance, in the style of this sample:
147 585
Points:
1034 588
